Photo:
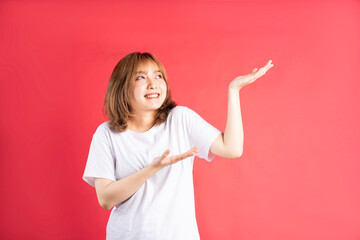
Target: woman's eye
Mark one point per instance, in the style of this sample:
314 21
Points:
158 76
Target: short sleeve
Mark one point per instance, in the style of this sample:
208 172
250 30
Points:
202 134
100 162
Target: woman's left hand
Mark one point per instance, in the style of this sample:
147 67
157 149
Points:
242 81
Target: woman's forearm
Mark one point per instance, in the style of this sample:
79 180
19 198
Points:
119 191
234 133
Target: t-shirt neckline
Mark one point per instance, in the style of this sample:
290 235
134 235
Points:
142 133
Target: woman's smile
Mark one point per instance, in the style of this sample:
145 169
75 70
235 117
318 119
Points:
152 96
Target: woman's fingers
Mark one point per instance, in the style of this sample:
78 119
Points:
269 65
264 69
194 150
261 71
165 160
182 156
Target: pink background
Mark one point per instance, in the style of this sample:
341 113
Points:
299 175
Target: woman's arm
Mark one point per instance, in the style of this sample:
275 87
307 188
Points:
230 144
110 193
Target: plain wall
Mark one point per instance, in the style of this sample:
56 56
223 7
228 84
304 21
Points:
299 175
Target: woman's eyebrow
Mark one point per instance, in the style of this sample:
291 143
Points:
145 72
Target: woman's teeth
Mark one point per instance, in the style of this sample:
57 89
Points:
152 95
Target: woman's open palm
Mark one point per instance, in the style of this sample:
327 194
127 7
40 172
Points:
242 81
164 160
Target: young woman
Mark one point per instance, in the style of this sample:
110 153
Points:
140 161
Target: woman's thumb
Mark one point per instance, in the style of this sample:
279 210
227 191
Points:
166 153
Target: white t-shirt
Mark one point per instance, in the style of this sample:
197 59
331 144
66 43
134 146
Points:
163 207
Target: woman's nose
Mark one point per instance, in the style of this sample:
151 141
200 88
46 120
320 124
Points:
151 83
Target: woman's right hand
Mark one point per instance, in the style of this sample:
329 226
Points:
164 160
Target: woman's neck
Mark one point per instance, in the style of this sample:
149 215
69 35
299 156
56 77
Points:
142 122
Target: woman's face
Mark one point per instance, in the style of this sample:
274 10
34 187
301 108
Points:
148 88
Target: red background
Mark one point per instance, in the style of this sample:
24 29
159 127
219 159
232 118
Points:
299 175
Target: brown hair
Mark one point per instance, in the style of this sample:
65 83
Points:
116 103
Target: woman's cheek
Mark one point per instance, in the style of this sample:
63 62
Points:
137 89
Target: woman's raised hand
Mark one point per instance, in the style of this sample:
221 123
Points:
164 160
242 81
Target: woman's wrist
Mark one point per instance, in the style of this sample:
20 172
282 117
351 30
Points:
232 90
154 167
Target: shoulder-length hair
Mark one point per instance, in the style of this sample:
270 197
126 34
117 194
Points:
116 104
